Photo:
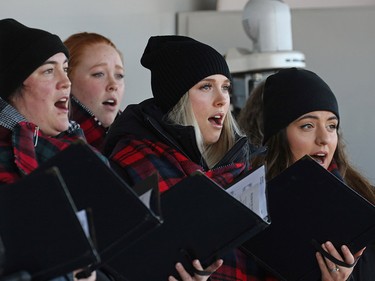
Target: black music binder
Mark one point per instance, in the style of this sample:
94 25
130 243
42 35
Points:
40 232
201 220
119 216
307 203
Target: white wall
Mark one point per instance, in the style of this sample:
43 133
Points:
339 44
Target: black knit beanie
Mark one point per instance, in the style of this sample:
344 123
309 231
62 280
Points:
290 93
177 63
22 51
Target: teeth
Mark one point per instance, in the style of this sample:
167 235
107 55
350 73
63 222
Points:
320 154
110 101
217 116
63 99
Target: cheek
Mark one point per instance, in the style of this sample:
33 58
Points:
334 142
197 105
121 90
298 147
297 151
86 91
200 113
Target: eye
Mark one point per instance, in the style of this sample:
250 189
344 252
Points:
332 127
307 126
119 76
48 71
66 69
98 74
226 88
205 87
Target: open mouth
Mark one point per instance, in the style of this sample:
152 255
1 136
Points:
62 103
319 157
110 102
217 120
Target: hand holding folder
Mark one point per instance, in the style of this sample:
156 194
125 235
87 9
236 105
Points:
308 206
201 221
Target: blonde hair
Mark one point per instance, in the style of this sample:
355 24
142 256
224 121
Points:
182 114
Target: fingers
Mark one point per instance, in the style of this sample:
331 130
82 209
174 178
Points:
203 276
211 268
322 265
197 265
348 257
185 276
329 270
171 278
328 247
359 253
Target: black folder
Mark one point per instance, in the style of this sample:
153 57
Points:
201 220
308 206
40 232
119 217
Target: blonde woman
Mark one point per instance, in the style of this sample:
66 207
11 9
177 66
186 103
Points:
186 126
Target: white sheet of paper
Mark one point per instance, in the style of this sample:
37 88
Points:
82 217
146 197
251 191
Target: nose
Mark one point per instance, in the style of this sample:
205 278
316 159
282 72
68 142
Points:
322 136
112 85
221 98
64 82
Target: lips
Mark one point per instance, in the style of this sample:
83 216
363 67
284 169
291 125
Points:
217 119
62 103
110 102
319 157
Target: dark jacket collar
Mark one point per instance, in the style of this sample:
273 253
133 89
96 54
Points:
146 120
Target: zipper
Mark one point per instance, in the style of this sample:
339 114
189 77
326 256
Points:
36 136
230 156
150 120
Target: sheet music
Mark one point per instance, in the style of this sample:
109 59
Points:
146 198
82 217
251 191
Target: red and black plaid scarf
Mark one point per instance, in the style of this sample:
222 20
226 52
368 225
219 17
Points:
140 158
23 146
92 128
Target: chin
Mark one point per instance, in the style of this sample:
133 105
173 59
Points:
63 127
211 141
107 120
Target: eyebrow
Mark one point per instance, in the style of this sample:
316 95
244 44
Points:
54 62
117 66
211 79
310 116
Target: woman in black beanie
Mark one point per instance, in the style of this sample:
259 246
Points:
34 96
287 96
186 126
34 91
301 116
